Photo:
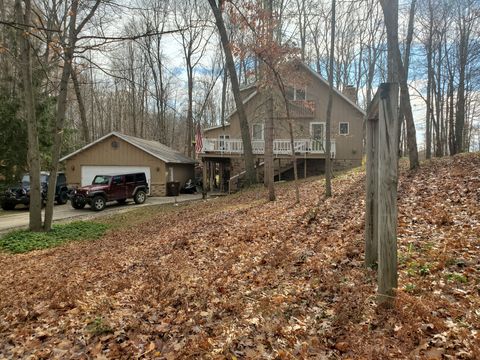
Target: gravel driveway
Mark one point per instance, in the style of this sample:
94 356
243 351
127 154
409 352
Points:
18 218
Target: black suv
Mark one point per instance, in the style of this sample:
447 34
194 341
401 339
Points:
111 188
21 194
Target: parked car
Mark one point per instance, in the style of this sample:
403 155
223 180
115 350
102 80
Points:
21 194
107 188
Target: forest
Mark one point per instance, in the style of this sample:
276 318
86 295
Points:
156 68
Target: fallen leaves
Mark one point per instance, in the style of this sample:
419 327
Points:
242 278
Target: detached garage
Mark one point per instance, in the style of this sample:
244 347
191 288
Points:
117 153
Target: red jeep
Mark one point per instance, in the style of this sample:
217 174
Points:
106 188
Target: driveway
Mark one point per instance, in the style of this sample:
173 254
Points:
18 218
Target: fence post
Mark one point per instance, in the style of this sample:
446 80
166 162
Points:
387 172
371 201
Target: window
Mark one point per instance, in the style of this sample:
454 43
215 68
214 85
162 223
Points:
300 93
344 128
317 130
222 143
296 93
257 132
101 180
61 179
140 177
117 180
130 178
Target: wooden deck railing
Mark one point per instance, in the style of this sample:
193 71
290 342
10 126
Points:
280 146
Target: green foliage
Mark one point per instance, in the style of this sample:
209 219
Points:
20 241
424 270
13 138
457 277
98 327
410 288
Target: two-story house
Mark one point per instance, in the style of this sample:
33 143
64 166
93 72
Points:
222 151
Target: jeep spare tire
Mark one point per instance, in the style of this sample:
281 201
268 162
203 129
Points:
140 197
98 203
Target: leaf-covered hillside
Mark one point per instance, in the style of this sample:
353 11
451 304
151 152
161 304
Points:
241 278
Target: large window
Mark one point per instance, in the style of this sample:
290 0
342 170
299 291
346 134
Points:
257 132
297 93
344 128
222 142
317 130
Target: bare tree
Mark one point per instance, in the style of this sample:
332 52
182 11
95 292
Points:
247 144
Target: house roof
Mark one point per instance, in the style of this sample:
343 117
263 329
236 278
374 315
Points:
339 93
154 148
216 127
246 100
311 71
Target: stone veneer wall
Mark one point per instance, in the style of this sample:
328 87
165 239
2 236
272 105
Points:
158 190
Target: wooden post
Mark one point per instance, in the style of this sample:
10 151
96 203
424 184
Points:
305 166
387 171
211 168
204 178
371 201
220 177
279 169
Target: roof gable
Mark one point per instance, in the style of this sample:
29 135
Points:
319 78
154 148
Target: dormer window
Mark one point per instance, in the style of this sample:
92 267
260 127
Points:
297 93
300 93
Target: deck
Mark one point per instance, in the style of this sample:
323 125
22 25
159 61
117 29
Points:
280 147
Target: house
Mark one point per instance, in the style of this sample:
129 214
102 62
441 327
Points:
307 96
119 153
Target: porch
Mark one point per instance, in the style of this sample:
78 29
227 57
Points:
280 146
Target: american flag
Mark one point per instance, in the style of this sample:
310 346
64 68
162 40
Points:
198 140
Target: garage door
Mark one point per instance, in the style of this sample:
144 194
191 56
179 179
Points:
89 172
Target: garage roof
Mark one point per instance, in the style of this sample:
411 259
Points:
151 147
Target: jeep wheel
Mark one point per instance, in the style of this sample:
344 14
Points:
8 205
77 203
140 197
121 201
98 203
62 198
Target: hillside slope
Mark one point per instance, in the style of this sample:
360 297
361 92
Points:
239 277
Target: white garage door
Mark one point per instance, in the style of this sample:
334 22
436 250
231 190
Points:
89 172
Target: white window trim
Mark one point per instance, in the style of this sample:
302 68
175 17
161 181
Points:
316 123
295 92
339 127
263 131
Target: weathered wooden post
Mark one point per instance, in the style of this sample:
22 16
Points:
371 198
387 180
381 189
204 178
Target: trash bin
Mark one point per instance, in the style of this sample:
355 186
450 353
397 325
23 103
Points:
173 188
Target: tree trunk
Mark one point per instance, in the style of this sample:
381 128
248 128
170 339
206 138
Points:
247 144
33 151
190 107
81 108
397 73
62 105
269 166
328 165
